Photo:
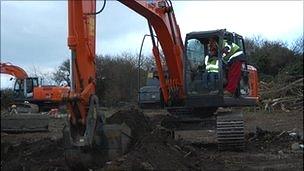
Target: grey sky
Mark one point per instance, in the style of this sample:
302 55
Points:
34 33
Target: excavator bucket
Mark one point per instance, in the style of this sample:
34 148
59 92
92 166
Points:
118 138
110 144
24 122
102 140
111 139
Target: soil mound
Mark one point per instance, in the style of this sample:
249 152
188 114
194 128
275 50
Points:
155 151
44 154
139 124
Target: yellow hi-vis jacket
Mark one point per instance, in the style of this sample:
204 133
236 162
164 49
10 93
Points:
212 64
234 51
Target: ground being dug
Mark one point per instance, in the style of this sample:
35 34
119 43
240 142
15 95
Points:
273 142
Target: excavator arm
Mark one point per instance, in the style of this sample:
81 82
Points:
85 120
8 68
81 41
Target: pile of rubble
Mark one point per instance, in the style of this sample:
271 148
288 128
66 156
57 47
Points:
283 95
276 141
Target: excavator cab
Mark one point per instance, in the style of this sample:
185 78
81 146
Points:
24 88
205 78
204 83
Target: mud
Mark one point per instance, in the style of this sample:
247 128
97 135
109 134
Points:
34 151
155 149
44 154
139 124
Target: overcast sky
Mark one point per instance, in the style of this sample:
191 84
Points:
34 33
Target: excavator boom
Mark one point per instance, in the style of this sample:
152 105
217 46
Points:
81 41
8 68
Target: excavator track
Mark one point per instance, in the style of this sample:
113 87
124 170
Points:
229 125
230 131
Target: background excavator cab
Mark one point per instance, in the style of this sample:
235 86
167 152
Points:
149 95
200 88
24 88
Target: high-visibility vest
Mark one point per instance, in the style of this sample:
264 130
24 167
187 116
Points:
212 65
233 52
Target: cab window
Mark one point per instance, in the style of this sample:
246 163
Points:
35 82
18 85
29 85
195 53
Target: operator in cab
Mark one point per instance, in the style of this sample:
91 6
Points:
210 77
212 66
233 59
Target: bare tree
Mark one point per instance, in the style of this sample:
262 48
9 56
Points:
62 74
44 76
298 46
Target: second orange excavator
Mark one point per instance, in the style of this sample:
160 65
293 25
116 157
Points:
40 97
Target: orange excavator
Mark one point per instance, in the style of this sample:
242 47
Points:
40 97
29 99
182 88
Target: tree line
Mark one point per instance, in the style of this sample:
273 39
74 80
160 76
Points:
117 76
274 59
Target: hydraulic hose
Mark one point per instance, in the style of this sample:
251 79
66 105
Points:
102 8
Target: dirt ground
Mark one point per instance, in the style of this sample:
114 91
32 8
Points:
272 143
